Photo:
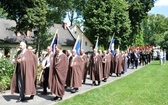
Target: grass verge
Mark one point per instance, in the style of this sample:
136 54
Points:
147 86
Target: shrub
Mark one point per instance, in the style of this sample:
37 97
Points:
6 72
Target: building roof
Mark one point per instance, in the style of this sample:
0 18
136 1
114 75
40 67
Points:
9 36
65 37
75 35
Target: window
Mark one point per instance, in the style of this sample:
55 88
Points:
85 43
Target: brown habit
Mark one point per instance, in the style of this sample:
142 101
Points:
76 74
96 72
68 77
118 63
58 73
112 64
107 65
124 62
84 66
28 69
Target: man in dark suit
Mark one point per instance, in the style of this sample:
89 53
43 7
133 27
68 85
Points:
135 59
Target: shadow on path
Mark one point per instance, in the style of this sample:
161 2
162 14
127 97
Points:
10 97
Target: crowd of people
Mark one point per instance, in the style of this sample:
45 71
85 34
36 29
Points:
64 69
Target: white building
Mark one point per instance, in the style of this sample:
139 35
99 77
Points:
85 44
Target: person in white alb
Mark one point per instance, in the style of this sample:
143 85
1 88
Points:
45 68
161 57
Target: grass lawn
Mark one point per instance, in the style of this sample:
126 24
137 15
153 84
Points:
147 86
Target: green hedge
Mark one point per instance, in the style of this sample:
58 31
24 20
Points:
6 72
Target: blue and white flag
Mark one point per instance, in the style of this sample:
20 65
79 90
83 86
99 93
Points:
97 42
111 47
77 46
54 41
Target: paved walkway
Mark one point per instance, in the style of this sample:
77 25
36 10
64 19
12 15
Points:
10 99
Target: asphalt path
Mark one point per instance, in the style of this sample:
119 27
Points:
6 98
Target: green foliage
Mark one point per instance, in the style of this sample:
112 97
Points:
138 10
35 15
154 28
57 11
164 43
139 39
98 20
122 24
79 23
101 47
105 19
28 14
75 6
43 38
6 72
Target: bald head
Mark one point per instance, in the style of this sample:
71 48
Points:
30 48
22 45
95 51
105 52
58 48
117 51
49 49
73 52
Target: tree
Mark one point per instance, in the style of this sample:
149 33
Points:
139 40
57 11
27 14
164 43
138 10
42 39
99 20
79 23
154 28
122 25
75 8
105 19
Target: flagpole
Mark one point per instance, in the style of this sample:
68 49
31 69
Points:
118 47
97 43
111 46
82 41
77 45
54 36
112 38
113 35
76 42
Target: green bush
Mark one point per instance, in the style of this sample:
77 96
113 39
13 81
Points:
6 72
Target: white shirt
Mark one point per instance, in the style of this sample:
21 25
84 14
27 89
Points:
161 54
47 60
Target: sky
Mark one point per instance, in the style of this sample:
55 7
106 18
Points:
160 7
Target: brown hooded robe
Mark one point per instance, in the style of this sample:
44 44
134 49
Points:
118 63
96 72
28 69
76 74
84 66
107 66
57 74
